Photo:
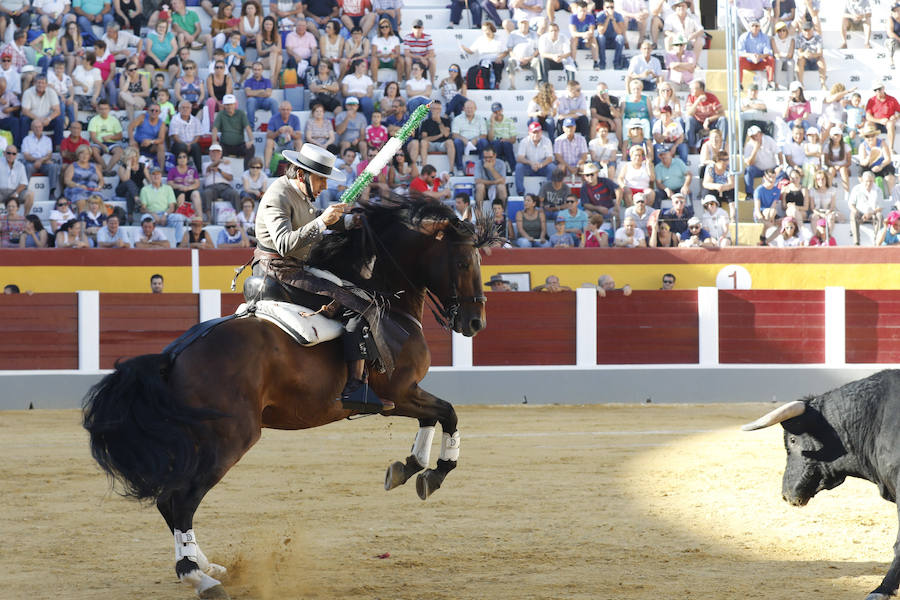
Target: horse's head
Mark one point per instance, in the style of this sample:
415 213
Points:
451 265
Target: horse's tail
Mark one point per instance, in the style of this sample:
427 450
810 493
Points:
142 434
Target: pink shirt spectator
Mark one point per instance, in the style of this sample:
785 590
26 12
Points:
376 136
303 46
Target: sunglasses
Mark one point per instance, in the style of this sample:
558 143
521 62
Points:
5 60
694 227
62 204
256 166
11 153
131 70
231 227
154 110
182 156
220 66
189 68
384 27
668 281
453 70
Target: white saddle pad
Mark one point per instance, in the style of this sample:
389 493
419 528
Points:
297 321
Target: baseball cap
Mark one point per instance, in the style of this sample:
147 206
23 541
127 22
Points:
693 221
710 198
633 123
496 106
795 85
569 122
877 86
352 100
836 131
892 217
780 25
812 130
534 126
215 147
155 169
418 23
754 130
229 99
639 197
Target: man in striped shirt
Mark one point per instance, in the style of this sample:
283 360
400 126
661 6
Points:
417 46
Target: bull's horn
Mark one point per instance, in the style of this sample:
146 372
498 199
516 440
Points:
782 413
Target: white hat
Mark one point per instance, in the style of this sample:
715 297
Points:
313 159
215 147
836 131
229 99
812 130
796 85
710 198
754 130
693 221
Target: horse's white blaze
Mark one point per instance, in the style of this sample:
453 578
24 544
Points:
450 446
421 448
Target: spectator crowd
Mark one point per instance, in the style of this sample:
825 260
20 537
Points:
94 91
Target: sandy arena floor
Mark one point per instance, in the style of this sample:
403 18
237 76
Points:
592 502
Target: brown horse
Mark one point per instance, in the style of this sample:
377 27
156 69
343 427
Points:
169 426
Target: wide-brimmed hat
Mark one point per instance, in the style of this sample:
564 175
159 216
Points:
497 279
316 160
869 129
589 167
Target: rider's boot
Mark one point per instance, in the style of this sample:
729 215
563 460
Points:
358 396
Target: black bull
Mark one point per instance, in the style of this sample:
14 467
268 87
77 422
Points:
853 431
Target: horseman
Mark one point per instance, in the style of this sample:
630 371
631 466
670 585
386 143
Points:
288 225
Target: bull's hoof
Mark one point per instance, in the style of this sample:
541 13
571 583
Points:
395 476
427 482
216 592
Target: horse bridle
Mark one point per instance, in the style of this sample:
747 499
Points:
445 313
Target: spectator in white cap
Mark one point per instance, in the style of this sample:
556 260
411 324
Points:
696 236
761 153
882 111
641 210
217 180
755 53
838 156
229 129
798 109
350 127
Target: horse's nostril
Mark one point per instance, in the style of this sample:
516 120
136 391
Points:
476 325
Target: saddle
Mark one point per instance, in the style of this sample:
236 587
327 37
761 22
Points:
288 308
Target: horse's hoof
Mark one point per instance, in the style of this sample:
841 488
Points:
427 482
874 596
395 476
216 592
216 571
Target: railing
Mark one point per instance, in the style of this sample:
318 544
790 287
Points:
89 331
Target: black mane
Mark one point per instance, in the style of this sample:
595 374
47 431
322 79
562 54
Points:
356 245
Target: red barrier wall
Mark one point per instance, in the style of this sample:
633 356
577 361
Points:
527 328
771 327
39 331
647 328
872 326
134 324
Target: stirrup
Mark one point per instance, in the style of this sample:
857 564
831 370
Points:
359 397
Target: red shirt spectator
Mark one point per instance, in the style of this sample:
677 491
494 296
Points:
70 143
706 109
420 185
355 8
882 105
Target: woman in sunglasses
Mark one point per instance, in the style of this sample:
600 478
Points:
134 90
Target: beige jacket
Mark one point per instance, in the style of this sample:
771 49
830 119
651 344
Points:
286 220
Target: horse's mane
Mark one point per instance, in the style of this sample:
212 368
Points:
391 213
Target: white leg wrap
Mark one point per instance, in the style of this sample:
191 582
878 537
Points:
450 446
199 581
421 448
186 546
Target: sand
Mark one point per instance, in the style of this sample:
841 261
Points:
599 502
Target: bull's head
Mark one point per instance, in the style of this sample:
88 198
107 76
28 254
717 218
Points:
812 447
